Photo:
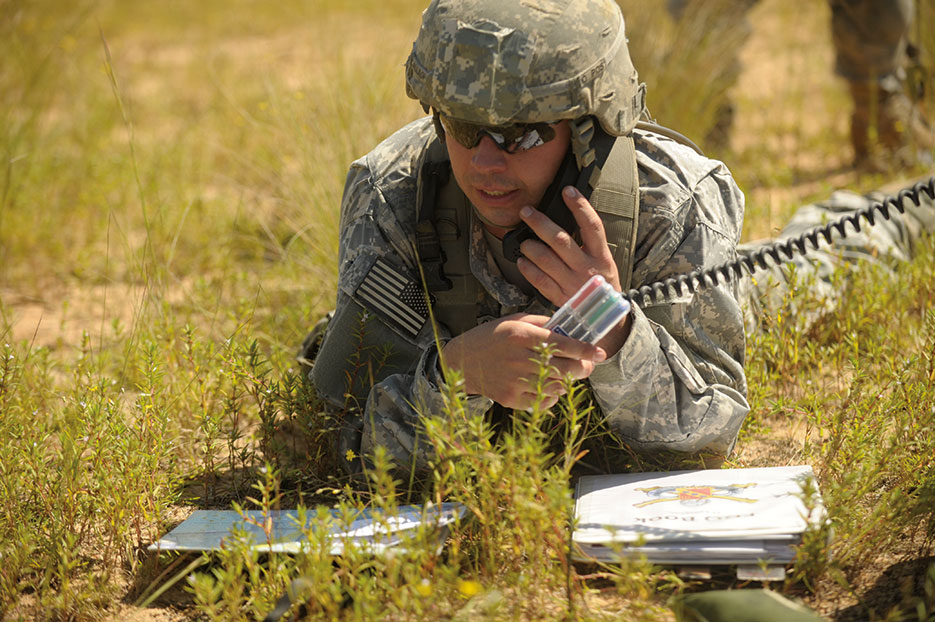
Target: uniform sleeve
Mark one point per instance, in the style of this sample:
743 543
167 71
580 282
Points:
377 360
678 383
398 408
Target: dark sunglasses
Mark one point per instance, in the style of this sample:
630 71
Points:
510 138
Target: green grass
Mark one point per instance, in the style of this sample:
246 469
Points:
168 233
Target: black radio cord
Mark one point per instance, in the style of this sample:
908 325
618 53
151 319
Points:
780 252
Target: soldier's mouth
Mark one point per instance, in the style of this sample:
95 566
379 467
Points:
494 194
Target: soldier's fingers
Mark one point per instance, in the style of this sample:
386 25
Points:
574 349
561 345
547 260
543 283
528 400
535 320
593 236
549 402
560 241
577 369
551 388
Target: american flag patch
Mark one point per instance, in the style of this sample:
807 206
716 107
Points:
395 297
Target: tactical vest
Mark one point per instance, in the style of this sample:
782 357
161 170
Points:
443 228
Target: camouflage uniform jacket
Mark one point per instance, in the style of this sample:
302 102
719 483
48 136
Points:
678 382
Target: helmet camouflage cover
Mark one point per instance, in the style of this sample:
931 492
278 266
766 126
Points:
496 62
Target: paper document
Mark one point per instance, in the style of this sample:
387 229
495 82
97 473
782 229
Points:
280 530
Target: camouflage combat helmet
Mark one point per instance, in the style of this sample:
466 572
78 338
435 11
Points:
497 62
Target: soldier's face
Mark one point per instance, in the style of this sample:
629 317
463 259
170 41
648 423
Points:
499 184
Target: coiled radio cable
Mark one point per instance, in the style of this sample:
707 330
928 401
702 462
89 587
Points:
780 252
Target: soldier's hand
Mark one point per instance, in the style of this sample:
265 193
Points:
557 265
499 360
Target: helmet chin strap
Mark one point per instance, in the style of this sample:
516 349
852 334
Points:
582 131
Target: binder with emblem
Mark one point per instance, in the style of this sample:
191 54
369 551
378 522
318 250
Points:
714 516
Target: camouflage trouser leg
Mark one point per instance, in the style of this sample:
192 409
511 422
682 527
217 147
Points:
869 37
871 41
720 14
889 242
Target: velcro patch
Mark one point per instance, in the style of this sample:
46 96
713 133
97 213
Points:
394 297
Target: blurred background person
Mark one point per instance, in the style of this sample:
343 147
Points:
873 52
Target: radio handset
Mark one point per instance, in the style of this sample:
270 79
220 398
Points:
552 205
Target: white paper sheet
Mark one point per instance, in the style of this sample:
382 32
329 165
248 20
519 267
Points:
280 531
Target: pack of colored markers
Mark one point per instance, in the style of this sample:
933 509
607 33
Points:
591 313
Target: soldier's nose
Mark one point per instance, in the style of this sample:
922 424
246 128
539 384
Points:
487 157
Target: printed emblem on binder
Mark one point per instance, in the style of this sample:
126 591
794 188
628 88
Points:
694 495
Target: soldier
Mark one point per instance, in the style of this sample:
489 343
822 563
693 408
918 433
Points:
890 241
872 51
525 100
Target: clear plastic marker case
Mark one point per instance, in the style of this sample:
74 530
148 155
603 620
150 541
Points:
591 312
